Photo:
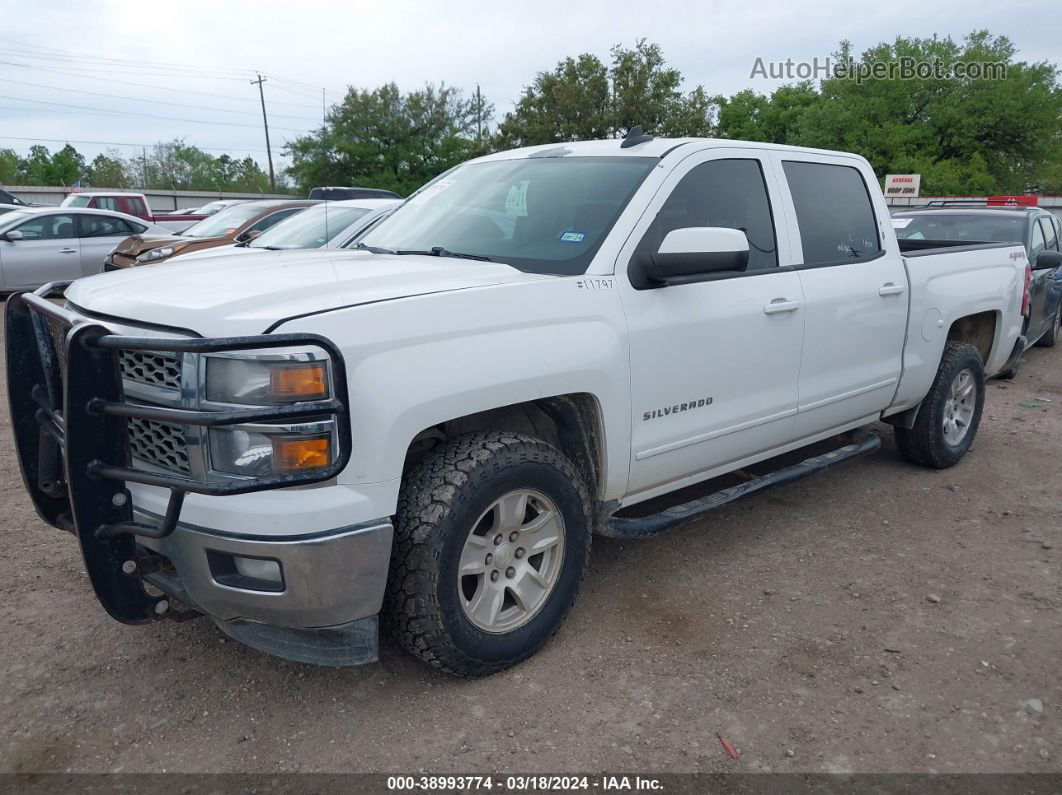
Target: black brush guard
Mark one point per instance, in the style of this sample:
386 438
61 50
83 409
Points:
69 418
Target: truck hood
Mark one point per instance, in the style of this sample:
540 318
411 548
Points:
233 296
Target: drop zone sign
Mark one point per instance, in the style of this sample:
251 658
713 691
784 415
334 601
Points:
902 186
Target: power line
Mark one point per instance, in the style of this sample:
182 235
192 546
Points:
149 85
139 99
93 110
114 143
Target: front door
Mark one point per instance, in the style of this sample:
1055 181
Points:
48 252
715 361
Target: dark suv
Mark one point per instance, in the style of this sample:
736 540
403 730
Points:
1034 227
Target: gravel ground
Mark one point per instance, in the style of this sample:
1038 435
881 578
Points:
877 618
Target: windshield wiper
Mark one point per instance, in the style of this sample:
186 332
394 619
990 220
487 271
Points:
375 249
439 251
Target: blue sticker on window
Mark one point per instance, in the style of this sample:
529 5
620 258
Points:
572 237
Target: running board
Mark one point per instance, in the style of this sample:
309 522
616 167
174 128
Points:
863 442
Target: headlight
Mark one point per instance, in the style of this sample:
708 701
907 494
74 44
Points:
156 253
265 382
265 449
279 450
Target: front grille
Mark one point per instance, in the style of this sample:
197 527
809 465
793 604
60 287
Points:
159 443
161 370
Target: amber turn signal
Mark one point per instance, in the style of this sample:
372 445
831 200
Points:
299 381
293 454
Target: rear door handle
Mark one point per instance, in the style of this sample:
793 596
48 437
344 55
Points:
68 251
779 305
891 289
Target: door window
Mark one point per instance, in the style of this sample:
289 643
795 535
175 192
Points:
275 218
1050 235
1038 242
729 193
106 203
102 226
48 227
834 213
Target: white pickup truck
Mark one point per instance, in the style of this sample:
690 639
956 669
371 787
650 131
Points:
428 430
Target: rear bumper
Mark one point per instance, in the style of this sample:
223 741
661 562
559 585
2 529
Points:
326 579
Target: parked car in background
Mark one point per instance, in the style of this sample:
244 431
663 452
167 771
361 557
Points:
44 244
327 225
210 208
1034 227
343 194
8 198
135 204
236 224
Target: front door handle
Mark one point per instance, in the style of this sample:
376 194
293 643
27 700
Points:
891 289
68 251
779 305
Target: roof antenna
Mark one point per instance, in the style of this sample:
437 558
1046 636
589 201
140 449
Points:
635 136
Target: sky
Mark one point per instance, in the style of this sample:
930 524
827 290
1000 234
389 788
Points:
137 72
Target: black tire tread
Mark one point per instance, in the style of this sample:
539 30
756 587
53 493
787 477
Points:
923 444
411 613
1050 337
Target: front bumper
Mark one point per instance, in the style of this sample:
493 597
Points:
70 416
327 579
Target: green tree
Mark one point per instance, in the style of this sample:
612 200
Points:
108 171
385 138
10 167
582 98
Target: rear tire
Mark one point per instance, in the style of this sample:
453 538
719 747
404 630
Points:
475 585
1049 339
950 414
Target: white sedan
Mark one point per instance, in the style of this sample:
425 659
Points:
325 225
47 244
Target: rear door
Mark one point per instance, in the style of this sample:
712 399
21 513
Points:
854 285
48 252
98 235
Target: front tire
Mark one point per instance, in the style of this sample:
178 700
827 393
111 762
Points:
950 414
492 537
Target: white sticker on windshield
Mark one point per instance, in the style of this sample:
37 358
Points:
516 201
431 191
901 223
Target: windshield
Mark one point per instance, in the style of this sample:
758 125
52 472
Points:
77 201
311 228
225 222
540 215
995 228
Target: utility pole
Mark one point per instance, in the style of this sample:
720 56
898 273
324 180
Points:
324 113
265 123
479 114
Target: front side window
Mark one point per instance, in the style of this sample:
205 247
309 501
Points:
1050 236
1038 243
537 214
834 213
48 227
107 203
730 193
77 201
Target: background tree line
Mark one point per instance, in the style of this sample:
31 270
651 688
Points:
166 166
963 136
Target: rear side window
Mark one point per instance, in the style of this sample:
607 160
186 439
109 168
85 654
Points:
729 193
834 213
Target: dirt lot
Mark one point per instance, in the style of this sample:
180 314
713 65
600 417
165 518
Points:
875 618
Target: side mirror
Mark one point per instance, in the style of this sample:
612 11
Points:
1047 259
12 236
248 236
697 250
